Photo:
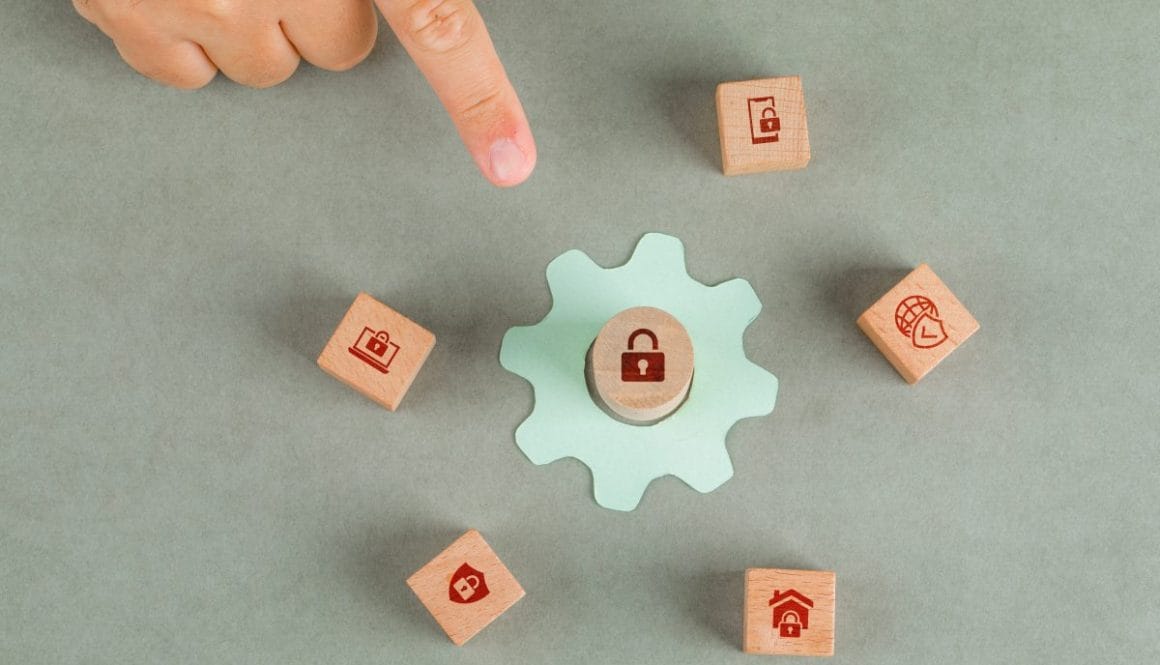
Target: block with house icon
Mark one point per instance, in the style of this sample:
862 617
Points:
789 612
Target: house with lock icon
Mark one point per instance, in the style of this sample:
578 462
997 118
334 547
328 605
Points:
791 612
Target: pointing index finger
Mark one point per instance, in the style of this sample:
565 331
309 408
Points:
451 46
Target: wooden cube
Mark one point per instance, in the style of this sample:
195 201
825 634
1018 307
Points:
376 351
762 125
917 324
789 612
466 587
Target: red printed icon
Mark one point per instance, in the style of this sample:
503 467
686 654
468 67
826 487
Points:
375 348
791 612
642 366
764 125
917 318
467 586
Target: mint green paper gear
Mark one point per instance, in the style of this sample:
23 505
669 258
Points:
623 458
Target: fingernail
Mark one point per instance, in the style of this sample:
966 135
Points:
507 160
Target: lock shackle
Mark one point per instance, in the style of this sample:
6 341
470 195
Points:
771 110
383 336
647 333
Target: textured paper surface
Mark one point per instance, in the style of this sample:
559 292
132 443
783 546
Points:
180 484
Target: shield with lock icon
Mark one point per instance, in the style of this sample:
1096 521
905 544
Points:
467 585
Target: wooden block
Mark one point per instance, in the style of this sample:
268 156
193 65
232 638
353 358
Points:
762 124
917 324
789 612
376 351
466 587
642 364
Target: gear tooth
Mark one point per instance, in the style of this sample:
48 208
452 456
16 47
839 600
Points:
662 246
568 277
742 298
530 439
659 257
569 264
513 340
709 471
628 494
760 396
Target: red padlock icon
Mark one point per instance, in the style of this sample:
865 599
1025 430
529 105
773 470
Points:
378 344
769 121
642 366
790 627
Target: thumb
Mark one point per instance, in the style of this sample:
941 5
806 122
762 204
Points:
449 42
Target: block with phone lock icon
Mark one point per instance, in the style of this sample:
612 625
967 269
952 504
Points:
762 125
765 126
377 351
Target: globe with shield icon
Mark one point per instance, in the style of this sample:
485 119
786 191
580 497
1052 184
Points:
910 310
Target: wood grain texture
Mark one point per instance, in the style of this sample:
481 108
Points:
435 585
933 323
745 146
815 625
642 401
406 346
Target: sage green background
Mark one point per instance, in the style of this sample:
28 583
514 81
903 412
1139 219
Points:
179 483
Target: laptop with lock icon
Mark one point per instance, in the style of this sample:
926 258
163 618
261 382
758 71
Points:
375 348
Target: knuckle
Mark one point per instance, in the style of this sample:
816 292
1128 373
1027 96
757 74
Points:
218 11
349 63
174 75
191 80
352 56
441 25
267 75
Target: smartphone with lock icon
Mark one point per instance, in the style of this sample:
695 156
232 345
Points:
375 348
764 125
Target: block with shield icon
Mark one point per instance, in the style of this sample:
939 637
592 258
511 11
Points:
466 587
918 323
762 124
377 351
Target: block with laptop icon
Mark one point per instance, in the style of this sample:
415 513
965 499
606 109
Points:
377 351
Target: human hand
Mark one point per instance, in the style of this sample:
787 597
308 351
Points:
259 43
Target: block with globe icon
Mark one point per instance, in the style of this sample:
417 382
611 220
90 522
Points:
917 324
